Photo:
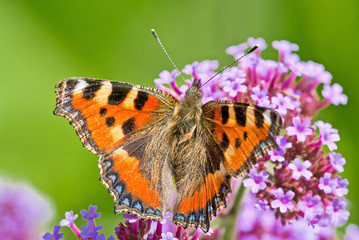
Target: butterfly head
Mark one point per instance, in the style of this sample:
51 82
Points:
194 94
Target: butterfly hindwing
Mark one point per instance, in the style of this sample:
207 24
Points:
244 132
211 184
118 121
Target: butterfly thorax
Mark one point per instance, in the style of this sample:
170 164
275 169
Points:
187 115
186 138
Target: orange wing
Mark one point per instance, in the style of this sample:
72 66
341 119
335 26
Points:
244 132
117 121
236 136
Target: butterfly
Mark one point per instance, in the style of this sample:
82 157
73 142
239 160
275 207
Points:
150 143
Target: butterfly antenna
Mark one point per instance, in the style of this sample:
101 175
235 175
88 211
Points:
228 66
164 50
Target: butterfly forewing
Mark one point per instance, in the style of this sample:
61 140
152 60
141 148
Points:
118 121
244 132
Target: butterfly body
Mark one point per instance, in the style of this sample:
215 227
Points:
146 138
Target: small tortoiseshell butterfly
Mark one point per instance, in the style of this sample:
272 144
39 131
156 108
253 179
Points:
145 137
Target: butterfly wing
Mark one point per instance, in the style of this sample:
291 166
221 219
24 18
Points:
235 136
244 132
118 121
203 185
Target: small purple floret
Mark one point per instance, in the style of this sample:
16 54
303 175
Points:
283 201
69 219
129 217
325 183
166 77
337 211
262 205
256 180
339 186
352 232
299 129
91 230
237 51
91 214
259 94
300 169
311 207
277 155
168 236
328 135
335 94
282 142
284 47
337 161
55 235
282 103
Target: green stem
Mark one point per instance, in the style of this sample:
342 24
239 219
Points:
229 220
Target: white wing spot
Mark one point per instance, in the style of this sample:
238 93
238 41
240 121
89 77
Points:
266 115
80 85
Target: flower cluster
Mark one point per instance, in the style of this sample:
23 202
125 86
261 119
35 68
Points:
299 181
23 211
262 224
133 228
90 231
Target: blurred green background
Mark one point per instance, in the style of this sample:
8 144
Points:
43 42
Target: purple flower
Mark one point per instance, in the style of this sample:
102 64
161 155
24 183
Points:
201 70
313 70
166 77
352 232
277 155
300 169
234 87
282 142
282 103
168 215
339 186
265 102
325 183
55 236
69 219
129 217
294 64
256 180
284 47
90 231
262 205
335 94
337 211
102 237
24 212
300 129
259 94
190 68
237 51
232 81
168 236
91 214
283 201
337 161
259 42
311 207
328 135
